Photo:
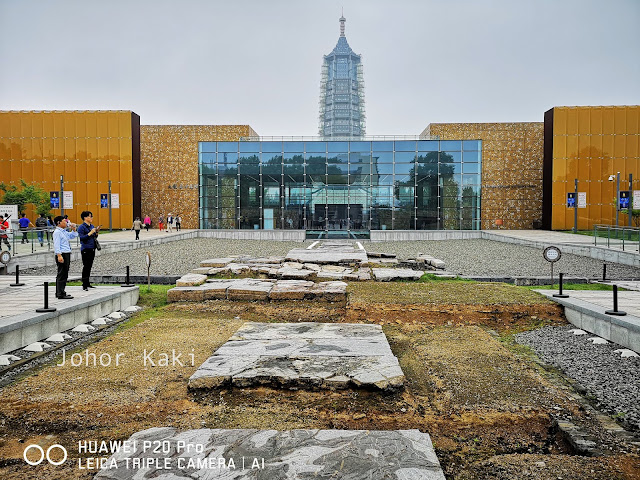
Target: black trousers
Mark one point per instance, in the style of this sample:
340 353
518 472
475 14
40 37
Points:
88 254
63 274
138 234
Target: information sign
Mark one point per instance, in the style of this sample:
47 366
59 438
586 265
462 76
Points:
67 200
104 200
571 200
54 199
582 199
624 199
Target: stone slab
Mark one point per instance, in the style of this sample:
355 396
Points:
216 262
391 274
334 256
249 289
283 455
290 290
191 280
305 355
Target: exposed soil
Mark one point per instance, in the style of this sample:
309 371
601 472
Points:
488 407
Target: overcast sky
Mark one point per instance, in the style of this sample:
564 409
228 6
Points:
258 62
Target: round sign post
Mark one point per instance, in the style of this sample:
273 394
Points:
552 255
5 258
147 260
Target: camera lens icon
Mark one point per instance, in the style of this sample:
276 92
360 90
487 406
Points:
44 455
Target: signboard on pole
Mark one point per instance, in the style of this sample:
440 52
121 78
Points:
115 200
636 199
623 201
104 200
9 210
571 200
54 199
67 199
582 199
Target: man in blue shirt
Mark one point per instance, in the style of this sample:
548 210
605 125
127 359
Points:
88 234
62 251
24 224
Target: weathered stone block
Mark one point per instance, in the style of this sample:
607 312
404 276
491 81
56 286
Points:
191 280
290 290
216 262
185 294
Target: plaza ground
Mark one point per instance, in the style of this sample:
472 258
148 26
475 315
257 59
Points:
486 403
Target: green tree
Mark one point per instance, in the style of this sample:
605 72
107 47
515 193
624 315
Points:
26 194
635 215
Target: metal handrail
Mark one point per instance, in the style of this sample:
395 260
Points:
623 235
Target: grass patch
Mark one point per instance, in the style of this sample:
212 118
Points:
442 292
574 286
430 277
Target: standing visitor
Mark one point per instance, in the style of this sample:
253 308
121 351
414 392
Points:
41 225
178 222
88 234
4 227
170 223
137 226
147 222
161 223
25 223
62 252
50 227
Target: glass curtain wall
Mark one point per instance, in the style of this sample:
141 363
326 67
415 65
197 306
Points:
348 186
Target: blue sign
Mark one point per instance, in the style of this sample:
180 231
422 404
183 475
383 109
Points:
624 199
104 200
571 200
54 199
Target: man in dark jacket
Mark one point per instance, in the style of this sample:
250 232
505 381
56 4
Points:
88 234
41 225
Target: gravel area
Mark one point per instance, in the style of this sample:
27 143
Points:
463 257
612 381
175 258
498 259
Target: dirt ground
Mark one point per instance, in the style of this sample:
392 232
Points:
486 404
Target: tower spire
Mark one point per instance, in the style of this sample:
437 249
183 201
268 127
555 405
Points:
342 20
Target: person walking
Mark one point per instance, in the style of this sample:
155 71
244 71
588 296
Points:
62 252
41 226
178 222
25 223
147 222
50 228
137 226
161 223
170 223
88 234
4 228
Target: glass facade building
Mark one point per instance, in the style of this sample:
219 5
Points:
342 92
349 187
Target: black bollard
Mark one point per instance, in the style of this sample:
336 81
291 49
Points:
560 294
17 284
615 310
604 272
46 301
127 281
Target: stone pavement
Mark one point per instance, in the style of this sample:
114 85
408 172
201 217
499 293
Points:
303 355
272 454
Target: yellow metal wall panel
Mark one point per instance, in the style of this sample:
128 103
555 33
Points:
607 145
70 148
92 148
47 172
633 121
58 124
124 125
584 121
584 146
620 119
47 126
69 125
16 149
103 170
619 143
25 147
560 147
125 149
125 172
102 122
26 126
80 128
608 121
572 146
114 149
16 123
103 148
631 146
113 129
5 125
572 121
5 149
81 149
559 121
91 122
69 171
